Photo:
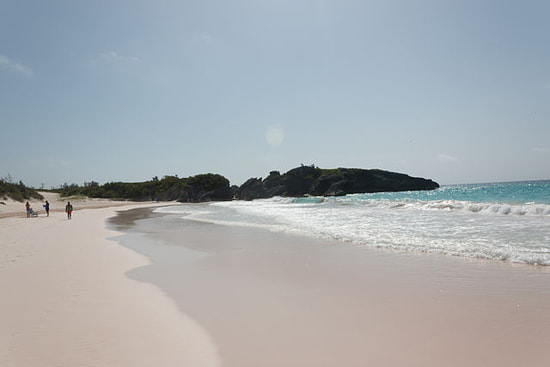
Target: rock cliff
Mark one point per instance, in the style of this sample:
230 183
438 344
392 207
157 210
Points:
314 181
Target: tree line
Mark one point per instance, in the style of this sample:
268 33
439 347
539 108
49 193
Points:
203 187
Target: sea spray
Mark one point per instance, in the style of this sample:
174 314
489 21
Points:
501 221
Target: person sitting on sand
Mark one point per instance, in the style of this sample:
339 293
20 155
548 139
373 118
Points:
69 210
47 208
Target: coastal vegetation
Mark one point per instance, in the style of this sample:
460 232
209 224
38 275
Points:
17 191
300 181
204 187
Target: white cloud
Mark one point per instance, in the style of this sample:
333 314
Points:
539 149
446 158
7 64
115 57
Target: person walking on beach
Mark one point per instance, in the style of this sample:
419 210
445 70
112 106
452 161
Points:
69 210
47 208
28 207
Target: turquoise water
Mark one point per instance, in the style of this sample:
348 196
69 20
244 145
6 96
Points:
504 192
497 221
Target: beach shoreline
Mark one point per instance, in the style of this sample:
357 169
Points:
125 286
274 299
66 300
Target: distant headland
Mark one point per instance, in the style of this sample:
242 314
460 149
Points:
300 181
314 181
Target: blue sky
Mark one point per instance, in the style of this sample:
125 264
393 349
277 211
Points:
124 90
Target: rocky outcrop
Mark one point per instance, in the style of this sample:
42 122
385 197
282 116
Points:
208 187
314 181
300 181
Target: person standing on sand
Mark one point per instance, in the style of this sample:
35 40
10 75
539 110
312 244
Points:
47 208
69 210
28 207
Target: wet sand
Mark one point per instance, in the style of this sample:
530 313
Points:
276 300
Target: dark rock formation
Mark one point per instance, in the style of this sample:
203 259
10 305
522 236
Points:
207 187
300 181
252 189
310 180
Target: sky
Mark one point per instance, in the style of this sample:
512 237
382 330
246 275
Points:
125 90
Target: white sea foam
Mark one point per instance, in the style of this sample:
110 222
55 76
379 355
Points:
514 232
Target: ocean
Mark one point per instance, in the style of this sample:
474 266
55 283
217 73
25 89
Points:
495 221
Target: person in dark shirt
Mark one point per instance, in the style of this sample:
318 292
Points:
69 210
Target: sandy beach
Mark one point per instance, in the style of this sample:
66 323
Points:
65 299
199 294
12 208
